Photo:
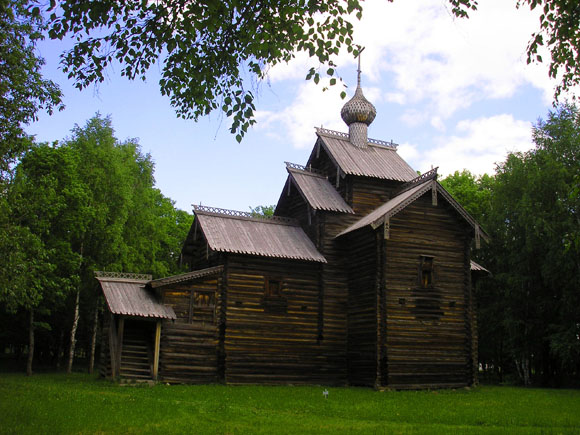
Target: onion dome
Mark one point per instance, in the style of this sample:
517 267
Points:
358 113
358 109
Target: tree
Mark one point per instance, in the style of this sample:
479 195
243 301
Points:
85 204
210 51
534 255
263 210
39 266
23 91
473 192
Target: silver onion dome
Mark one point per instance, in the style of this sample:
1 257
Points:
358 109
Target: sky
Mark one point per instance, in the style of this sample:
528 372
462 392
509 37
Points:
453 93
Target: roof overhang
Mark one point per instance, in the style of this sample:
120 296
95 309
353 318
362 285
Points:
184 277
411 193
131 297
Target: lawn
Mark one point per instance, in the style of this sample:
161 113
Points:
56 403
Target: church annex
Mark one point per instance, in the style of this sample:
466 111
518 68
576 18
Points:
362 277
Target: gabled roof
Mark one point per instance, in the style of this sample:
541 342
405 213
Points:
316 190
130 297
389 208
241 233
411 192
186 276
378 160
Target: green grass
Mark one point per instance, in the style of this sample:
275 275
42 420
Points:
55 403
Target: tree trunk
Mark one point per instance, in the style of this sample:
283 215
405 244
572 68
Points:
30 343
94 338
73 333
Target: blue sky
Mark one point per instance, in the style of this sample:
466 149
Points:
453 93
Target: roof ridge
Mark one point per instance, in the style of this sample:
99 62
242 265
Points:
307 169
125 276
429 175
341 135
245 215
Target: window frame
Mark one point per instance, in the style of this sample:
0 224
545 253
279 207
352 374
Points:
426 269
274 300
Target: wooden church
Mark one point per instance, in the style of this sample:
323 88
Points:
362 277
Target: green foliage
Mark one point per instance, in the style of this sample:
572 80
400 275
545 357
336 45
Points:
473 192
209 53
86 204
263 210
534 225
207 50
23 91
59 404
530 309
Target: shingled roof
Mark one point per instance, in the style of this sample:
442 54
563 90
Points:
378 160
316 190
130 297
242 233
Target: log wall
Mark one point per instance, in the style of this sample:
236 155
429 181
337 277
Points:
429 341
367 194
362 308
273 340
190 345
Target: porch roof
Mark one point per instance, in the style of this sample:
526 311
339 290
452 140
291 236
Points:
130 297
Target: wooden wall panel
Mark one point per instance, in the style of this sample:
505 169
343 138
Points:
362 308
367 194
273 346
429 342
190 344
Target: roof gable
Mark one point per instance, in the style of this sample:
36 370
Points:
316 190
378 160
242 233
409 193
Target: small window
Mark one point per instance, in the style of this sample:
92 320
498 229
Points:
274 300
273 288
426 272
202 306
203 299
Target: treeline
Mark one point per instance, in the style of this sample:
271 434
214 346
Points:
529 309
67 210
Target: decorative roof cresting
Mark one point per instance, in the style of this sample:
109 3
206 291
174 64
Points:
358 113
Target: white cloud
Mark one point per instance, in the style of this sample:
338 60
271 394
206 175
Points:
447 64
311 108
478 145
420 57
408 152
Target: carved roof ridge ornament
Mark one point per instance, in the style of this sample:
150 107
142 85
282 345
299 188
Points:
358 113
123 275
429 175
309 169
242 214
341 135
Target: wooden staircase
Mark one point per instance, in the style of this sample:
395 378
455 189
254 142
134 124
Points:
136 357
